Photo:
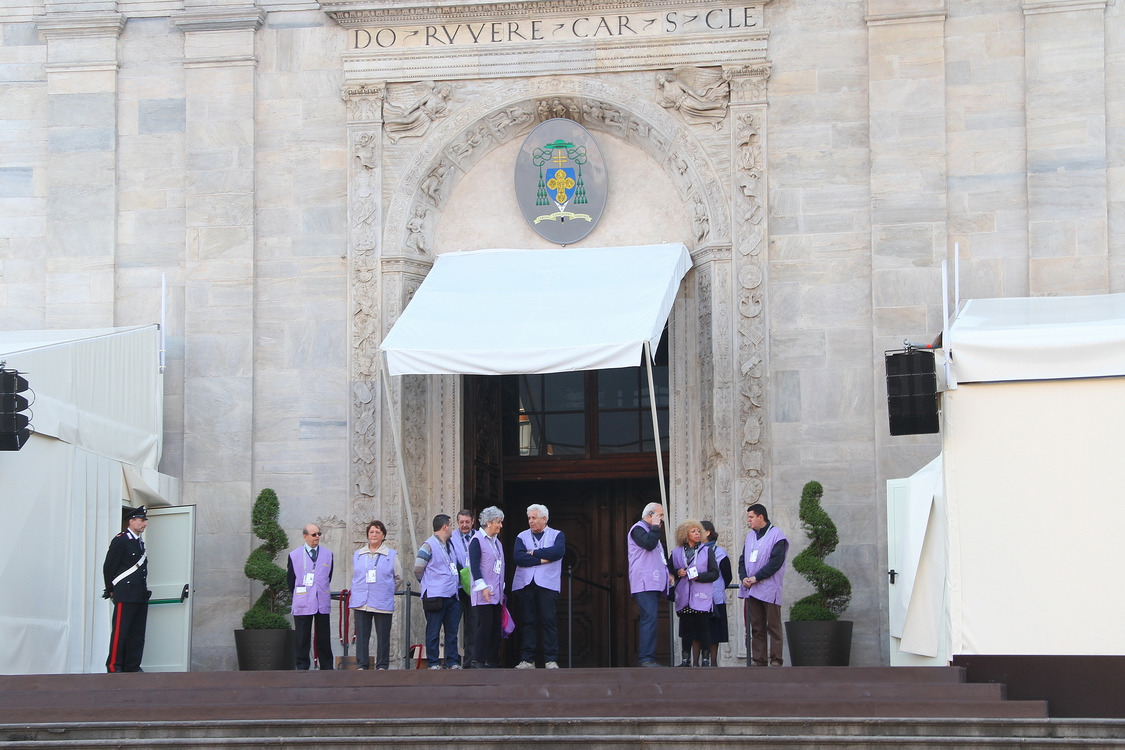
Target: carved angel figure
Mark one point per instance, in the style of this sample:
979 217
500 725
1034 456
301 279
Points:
700 94
413 118
415 239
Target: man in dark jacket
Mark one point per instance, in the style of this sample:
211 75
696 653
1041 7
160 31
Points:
126 572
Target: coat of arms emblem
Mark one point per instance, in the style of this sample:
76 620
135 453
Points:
561 181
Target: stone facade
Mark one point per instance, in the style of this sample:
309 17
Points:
294 168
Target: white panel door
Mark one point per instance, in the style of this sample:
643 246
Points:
170 544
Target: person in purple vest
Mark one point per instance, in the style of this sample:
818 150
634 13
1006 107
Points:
649 577
309 576
437 568
538 556
376 574
720 632
486 562
695 572
762 571
461 538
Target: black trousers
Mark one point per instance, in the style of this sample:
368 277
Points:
695 626
486 650
363 621
539 609
468 626
302 637
127 637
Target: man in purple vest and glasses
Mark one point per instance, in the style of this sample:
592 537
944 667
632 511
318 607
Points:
649 577
762 571
309 576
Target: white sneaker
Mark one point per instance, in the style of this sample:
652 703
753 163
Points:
436 666
525 665
552 665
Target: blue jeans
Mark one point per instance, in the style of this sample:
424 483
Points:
448 618
649 603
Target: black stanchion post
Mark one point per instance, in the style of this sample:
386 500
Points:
570 617
671 632
406 628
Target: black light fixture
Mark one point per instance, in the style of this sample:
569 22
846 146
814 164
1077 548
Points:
912 404
14 430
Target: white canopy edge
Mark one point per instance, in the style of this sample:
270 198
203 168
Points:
1038 338
506 311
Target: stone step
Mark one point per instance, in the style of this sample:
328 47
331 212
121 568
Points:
590 734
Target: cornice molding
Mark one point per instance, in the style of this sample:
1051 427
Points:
55 26
1038 7
917 16
362 13
245 18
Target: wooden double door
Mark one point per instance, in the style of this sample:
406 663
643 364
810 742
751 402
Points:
598 621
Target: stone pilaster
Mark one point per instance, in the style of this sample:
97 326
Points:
219 62
1066 146
81 166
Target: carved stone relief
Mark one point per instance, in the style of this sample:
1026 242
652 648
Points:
410 108
700 95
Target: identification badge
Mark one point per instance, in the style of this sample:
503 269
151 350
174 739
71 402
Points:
692 572
496 567
371 576
299 590
309 578
753 555
453 569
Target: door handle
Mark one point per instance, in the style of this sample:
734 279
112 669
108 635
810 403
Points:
892 574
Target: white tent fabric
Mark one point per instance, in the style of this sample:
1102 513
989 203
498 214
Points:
1038 338
100 390
496 312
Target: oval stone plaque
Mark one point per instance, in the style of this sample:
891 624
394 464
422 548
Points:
561 181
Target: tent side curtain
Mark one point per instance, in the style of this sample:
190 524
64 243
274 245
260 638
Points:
497 312
100 390
1038 338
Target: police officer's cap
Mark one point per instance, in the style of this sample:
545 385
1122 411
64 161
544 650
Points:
130 513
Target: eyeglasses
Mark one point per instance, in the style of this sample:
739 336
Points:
316 533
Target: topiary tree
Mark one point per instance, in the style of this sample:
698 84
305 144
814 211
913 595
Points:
833 589
268 612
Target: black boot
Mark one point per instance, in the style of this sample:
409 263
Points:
687 659
705 657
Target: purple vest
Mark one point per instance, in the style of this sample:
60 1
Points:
719 591
439 579
317 599
690 593
768 590
547 576
489 554
648 570
461 548
378 595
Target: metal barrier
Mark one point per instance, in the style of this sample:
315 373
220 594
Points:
571 578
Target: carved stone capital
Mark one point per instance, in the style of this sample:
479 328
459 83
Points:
748 82
365 101
239 18
407 266
60 25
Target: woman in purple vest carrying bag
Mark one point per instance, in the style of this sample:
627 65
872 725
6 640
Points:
376 574
695 572
486 563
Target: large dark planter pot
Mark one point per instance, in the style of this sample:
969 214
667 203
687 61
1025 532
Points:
820 643
265 649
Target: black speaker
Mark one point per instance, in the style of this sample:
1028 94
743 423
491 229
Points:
912 392
14 430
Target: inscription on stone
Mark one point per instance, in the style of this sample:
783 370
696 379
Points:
559 29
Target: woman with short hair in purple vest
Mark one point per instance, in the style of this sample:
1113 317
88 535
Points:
376 575
486 563
720 630
695 572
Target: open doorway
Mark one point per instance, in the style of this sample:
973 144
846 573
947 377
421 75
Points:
580 443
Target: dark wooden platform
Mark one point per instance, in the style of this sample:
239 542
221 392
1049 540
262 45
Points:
735 692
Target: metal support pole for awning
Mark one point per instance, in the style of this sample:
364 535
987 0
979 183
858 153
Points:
656 435
398 447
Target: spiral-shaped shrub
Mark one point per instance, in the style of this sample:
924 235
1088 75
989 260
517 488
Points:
269 610
833 589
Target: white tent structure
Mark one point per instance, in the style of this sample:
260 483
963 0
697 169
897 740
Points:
496 312
98 420
1023 527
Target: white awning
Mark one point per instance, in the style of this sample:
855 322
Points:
496 312
1039 338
